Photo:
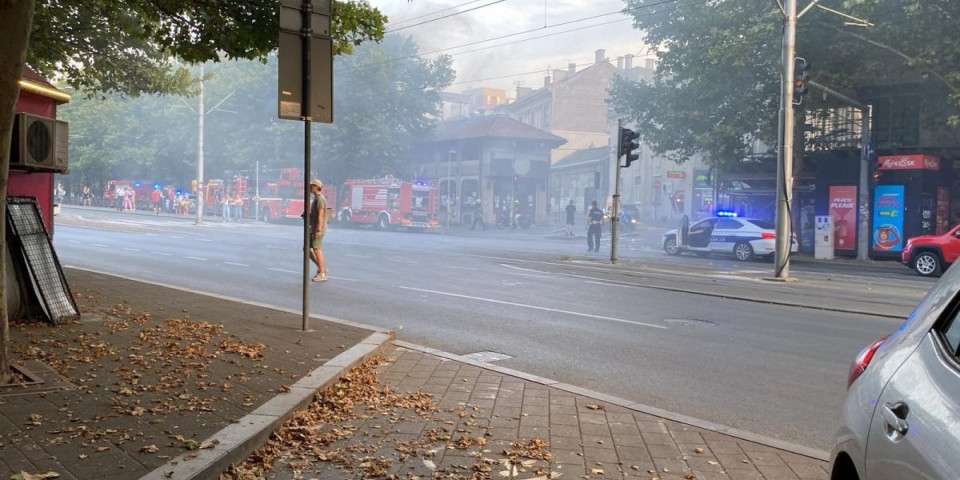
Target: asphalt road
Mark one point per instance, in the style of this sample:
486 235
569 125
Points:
701 337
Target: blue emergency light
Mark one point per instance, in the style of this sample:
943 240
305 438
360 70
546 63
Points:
726 213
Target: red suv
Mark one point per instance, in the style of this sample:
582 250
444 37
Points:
930 255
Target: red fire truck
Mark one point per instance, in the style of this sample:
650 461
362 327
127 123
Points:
283 198
388 202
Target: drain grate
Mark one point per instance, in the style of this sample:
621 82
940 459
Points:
689 322
34 378
488 357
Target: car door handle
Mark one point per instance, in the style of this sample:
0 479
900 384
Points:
895 417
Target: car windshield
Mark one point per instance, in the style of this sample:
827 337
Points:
763 224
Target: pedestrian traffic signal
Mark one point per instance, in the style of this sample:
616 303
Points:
801 74
628 144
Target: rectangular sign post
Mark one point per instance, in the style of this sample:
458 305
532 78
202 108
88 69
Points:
305 91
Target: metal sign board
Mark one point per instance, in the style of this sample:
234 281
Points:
290 78
290 70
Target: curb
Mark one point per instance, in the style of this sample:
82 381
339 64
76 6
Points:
238 441
629 404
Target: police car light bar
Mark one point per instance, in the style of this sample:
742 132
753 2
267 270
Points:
725 213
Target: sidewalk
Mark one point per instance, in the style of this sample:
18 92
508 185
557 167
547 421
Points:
153 372
162 383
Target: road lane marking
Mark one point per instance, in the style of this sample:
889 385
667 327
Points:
607 284
534 307
463 268
196 258
284 271
358 256
165 254
237 264
99 245
203 240
131 249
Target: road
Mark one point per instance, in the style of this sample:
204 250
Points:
705 338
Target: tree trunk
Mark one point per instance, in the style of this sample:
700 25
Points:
16 16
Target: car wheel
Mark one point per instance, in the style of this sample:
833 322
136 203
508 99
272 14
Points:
743 251
382 222
670 246
927 264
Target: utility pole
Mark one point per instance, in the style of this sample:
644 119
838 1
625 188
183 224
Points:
781 269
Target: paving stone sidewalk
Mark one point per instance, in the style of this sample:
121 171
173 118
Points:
585 438
148 374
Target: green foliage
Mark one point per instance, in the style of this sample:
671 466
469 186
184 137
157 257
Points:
129 47
383 102
718 81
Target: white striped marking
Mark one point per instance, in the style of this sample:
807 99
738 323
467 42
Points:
99 245
196 258
165 254
535 307
237 264
131 249
284 271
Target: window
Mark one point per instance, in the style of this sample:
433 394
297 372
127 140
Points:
763 224
728 224
951 333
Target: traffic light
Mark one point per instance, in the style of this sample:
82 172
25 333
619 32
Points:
628 144
801 74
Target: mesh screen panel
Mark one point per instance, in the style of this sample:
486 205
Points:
26 226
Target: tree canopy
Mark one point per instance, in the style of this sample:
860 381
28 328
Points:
385 97
718 78
133 46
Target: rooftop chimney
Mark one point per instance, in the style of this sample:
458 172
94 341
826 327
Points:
628 61
601 55
619 63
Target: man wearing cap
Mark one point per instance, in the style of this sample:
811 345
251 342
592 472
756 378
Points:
318 227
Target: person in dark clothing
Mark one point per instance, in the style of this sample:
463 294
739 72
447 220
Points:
571 211
594 227
478 215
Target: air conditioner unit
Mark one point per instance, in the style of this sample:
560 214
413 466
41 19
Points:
35 143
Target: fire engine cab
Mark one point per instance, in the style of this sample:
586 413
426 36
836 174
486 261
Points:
282 198
388 202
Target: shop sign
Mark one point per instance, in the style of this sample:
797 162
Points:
908 162
888 218
843 209
676 174
701 178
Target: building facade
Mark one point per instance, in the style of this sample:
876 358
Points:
494 158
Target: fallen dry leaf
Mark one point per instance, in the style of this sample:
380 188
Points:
149 449
34 476
595 407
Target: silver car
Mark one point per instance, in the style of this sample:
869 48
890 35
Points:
901 418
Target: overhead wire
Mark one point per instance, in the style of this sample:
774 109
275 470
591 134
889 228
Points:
510 35
446 16
542 70
436 12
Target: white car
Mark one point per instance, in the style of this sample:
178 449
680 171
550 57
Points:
744 238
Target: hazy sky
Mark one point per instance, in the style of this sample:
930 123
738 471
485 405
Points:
516 57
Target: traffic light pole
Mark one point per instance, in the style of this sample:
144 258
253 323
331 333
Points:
781 269
615 213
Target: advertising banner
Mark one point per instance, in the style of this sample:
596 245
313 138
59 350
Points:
908 162
888 218
943 210
843 209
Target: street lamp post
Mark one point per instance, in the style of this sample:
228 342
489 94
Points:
450 155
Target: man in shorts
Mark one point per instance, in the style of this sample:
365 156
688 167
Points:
318 227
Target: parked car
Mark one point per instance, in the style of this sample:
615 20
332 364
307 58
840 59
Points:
930 255
628 218
901 415
744 238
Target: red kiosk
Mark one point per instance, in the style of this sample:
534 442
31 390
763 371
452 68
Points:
39 143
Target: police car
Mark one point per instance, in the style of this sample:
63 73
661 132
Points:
744 238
